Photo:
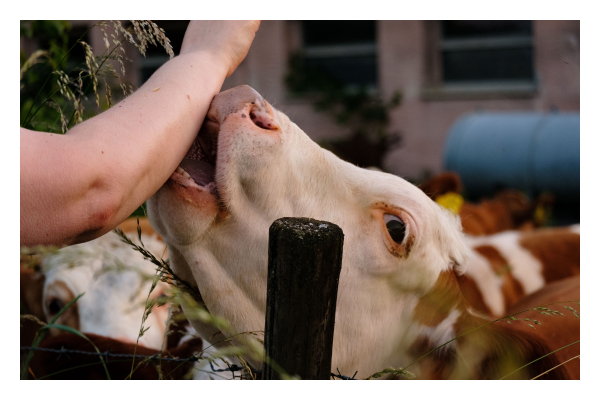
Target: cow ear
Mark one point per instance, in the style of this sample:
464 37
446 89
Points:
441 184
32 288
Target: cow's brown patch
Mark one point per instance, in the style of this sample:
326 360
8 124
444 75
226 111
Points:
32 286
483 351
435 365
177 327
436 305
512 290
87 366
496 350
470 222
558 330
485 218
472 294
557 250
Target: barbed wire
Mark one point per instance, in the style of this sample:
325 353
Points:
344 377
107 354
158 357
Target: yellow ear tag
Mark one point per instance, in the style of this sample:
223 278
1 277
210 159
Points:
452 201
540 215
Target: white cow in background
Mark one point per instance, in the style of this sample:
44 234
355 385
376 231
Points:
116 280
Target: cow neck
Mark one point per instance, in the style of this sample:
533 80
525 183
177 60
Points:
482 349
437 314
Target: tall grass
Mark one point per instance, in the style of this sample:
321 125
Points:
189 295
60 101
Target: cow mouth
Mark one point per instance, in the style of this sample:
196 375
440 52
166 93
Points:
198 167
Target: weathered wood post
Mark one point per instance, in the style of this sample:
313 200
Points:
305 260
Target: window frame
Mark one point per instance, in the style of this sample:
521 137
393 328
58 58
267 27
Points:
355 49
438 89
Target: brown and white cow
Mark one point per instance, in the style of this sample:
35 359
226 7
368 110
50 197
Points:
509 208
116 280
556 330
80 361
398 292
509 265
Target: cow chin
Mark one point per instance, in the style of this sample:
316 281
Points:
181 214
236 146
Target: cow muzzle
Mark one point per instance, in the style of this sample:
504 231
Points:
245 102
251 110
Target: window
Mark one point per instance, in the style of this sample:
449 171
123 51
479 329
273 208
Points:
482 56
345 49
475 51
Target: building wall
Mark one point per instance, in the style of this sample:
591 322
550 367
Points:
406 55
425 116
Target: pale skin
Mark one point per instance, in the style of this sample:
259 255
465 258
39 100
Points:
78 186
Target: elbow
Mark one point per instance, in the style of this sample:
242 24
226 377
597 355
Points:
105 197
101 217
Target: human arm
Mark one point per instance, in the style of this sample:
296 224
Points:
80 185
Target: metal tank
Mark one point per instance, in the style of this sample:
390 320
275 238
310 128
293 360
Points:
533 152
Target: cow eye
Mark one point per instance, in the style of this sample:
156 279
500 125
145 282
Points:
55 306
395 227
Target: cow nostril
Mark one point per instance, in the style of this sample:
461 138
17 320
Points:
262 119
258 122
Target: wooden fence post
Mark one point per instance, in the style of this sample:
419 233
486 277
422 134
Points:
305 260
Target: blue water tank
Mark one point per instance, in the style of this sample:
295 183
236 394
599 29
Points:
533 152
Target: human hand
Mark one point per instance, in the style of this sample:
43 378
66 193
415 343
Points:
228 41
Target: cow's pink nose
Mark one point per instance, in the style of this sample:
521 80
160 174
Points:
263 116
246 100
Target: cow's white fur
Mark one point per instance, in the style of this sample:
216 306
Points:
114 278
264 175
111 274
523 265
479 269
443 332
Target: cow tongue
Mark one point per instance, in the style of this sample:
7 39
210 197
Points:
200 171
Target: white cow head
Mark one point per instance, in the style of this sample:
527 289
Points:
251 165
115 279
